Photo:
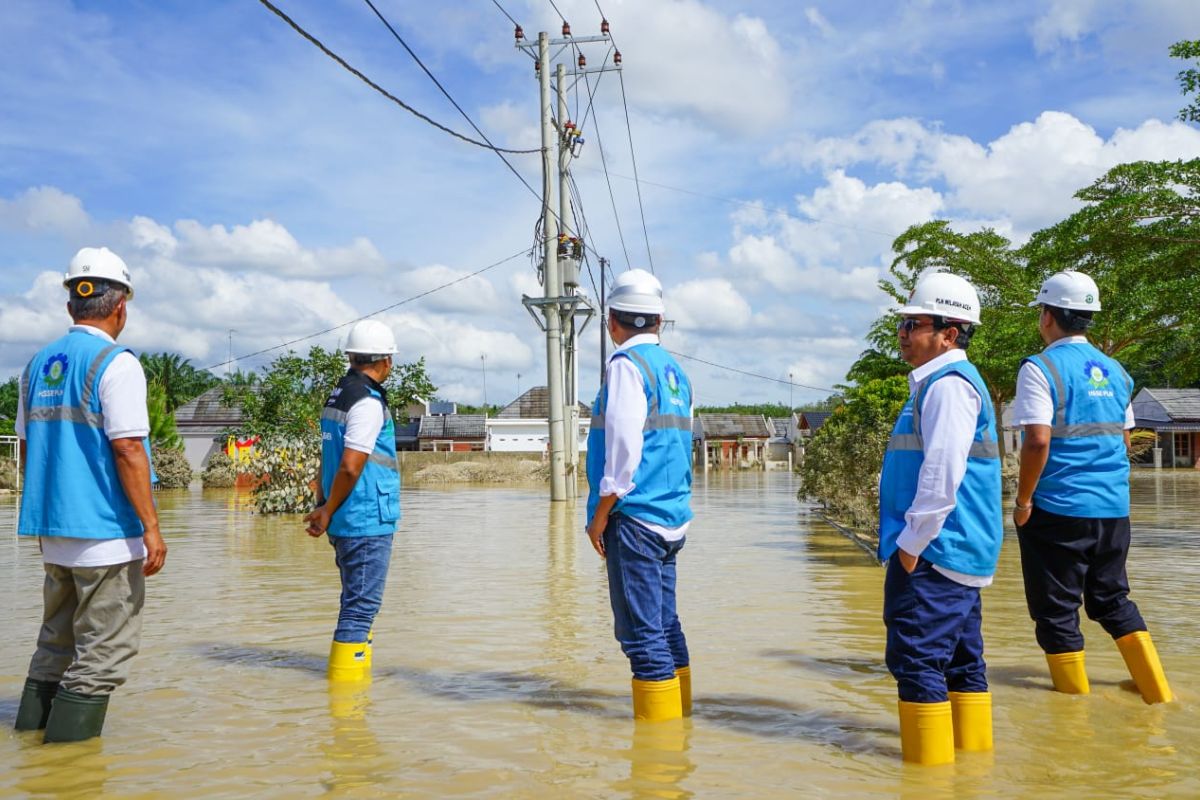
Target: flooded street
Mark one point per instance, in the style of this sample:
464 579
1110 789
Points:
496 673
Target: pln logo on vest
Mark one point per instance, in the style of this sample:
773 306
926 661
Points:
1097 377
673 384
54 372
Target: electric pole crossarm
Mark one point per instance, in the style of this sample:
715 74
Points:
524 44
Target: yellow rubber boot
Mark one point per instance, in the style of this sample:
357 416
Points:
370 649
927 733
654 701
972 714
1068 673
347 661
685 689
1142 660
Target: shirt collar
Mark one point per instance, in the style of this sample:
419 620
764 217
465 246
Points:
925 370
1068 340
641 338
94 331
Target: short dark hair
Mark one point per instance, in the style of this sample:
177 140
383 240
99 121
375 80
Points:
634 320
965 330
99 305
1070 320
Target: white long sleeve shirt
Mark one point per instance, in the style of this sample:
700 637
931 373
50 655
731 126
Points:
948 419
1033 404
122 393
624 420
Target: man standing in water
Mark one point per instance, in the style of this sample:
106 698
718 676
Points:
940 527
358 497
639 468
82 415
1072 505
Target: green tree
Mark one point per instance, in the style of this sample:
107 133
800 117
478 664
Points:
1189 78
163 433
1138 236
9 391
179 379
842 461
283 408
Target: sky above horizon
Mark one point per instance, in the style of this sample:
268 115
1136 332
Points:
254 186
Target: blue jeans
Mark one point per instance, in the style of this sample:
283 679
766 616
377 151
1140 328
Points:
363 564
934 639
641 588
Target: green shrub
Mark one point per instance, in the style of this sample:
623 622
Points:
288 469
172 468
219 473
8 473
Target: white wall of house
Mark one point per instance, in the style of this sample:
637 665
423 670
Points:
197 448
521 435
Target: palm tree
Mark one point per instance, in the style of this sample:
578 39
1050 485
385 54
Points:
180 381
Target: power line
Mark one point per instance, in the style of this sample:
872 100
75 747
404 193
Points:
556 11
453 102
341 61
753 374
405 301
604 163
633 159
505 13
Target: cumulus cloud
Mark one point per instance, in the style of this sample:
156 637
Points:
44 209
1063 21
708 304
266 245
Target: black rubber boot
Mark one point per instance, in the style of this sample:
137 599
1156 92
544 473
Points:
35 704
75 717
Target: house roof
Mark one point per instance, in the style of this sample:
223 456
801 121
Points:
733 426
813 420
453 426
535 404
407 431
1155 408
779 425
207 414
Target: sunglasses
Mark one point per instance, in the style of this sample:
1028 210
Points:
910 324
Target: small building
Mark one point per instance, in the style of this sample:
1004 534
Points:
523 425
407 435
1174 416
779 446
457 433
203 423
735 441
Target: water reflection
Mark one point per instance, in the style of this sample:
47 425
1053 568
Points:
497 675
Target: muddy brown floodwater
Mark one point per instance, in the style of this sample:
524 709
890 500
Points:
496 674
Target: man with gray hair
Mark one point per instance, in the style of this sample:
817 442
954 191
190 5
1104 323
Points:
83 420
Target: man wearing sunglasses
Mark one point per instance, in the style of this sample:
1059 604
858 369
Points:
940 527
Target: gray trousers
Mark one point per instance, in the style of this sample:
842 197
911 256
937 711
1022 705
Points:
91 626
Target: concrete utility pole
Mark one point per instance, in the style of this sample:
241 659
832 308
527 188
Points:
562 252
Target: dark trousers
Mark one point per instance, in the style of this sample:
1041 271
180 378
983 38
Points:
1064 559
934 638
641 588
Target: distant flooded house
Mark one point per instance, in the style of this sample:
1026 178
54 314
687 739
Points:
809 422
1174 416
523 425
734 441
455 433
202 424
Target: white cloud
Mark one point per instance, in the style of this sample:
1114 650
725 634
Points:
708 304
818 21
44 209
266 245
1065 21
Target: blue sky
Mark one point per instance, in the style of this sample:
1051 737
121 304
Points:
252 184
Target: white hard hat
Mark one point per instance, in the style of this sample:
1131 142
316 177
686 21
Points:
1071 290
638 292
943 294
371 337
92 263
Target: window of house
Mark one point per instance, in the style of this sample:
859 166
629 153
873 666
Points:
1183 448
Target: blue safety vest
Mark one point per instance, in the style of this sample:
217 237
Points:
373 505
970 539
71 483
663 480
1087 470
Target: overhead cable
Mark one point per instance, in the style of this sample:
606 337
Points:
341 61
405 301
498 151
611 197
754 374
633 159
505 13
